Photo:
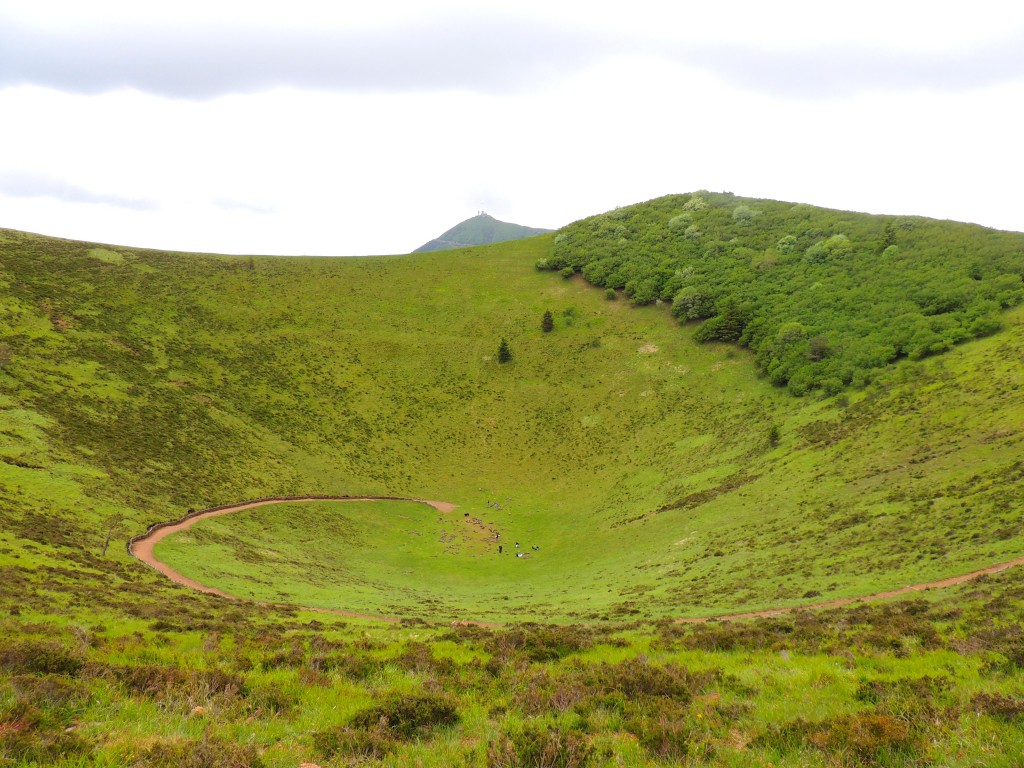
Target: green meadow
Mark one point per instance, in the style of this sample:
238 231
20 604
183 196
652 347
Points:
646 474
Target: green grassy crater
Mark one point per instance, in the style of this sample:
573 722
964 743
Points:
659 477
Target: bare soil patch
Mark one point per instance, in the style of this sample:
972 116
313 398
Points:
141 547
838 603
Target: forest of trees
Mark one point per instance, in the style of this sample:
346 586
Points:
823 298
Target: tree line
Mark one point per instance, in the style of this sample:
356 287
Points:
823 298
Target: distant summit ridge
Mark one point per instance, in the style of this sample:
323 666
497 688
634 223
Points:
481 229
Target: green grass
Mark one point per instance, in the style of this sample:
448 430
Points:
137 384
822 298
637 460
271 685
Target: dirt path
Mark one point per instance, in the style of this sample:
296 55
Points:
950 582
141 547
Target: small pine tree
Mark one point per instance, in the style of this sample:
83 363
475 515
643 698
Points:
504 352
547 324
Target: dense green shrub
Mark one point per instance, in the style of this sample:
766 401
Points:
36 713
636 678
666 731
999 706
407 716
871 738
200 753
372 743
39 657
379 729
536 747
866 290
540 642
913 700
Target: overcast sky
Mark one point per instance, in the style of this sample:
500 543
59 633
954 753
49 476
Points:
330 128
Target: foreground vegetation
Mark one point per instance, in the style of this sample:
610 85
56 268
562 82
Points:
659 478
158 678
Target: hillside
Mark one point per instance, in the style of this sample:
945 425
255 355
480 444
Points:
479 230
659 476
823 298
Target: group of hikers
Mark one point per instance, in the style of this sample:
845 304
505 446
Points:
501 549
534 547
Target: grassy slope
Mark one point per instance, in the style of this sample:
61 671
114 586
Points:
823 298
139 383
167 381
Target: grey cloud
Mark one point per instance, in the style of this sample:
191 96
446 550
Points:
840 72
239 205
209 62
25 184
481 54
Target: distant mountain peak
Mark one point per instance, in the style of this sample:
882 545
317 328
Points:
482 229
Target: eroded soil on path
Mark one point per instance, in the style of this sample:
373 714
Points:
142 548
840 602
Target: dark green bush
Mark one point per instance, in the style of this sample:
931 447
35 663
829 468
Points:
910 699
208 752
408 716
39 657
353 666
163 682
999 706
51 693
32 733
417 657
665 735
536 747
635 678
540 642
369 743
874 739
378 730
866 289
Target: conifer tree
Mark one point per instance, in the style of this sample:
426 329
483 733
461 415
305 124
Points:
504 352
548 323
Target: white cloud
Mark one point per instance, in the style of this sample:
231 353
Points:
648 103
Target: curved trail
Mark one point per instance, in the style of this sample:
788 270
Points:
141 547
840 602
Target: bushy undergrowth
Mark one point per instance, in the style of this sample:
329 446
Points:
381 728
335 694
540 642
207 752
864 738
39 657
823 298
534 746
